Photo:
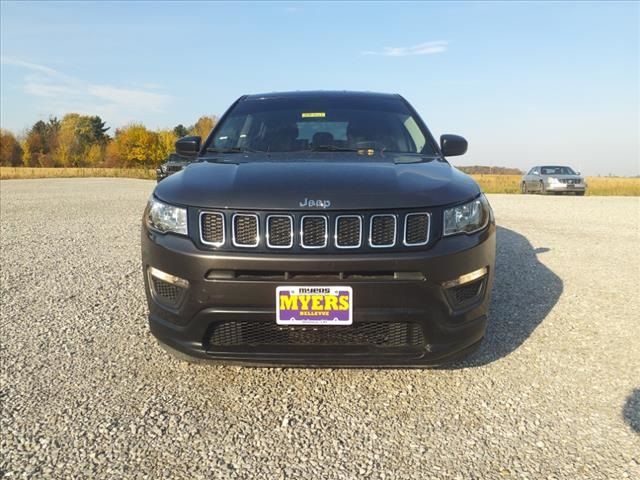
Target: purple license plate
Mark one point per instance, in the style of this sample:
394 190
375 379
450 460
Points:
314 305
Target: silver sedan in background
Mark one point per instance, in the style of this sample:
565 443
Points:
553 179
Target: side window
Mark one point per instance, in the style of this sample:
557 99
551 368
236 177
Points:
531 171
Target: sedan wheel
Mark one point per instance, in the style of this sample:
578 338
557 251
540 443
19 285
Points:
543 189
523 188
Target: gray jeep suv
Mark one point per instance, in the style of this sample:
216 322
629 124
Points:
319 228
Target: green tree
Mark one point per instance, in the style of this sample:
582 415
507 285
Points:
180 131
10 150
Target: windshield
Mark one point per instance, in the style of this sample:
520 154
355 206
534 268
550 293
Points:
556 171
279 124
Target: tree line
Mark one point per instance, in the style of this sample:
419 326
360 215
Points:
85 141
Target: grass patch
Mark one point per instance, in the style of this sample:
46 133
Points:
618 186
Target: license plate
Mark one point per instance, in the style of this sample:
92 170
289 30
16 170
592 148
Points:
314 305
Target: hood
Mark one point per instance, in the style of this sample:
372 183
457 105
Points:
573 176
337 182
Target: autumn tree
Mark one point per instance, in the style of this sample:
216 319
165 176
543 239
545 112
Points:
166 144
81 140
10 150
137 146
41 143
203 126
69 151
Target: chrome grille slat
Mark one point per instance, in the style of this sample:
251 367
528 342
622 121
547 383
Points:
416 229
382 230
348 231
212 228
279 231
314 231
246 232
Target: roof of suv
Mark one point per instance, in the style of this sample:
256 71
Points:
320 94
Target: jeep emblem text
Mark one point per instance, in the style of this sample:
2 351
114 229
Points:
315 203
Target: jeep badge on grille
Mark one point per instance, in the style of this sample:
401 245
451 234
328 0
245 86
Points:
315 203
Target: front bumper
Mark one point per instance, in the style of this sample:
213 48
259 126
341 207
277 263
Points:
387 288
566 187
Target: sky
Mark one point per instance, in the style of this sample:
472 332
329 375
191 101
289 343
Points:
525 83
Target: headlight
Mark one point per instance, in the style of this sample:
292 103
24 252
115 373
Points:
467 218
553 180
166 218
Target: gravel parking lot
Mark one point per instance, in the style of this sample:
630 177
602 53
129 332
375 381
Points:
554 392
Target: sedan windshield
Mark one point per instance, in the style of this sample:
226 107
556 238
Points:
556 171
281 124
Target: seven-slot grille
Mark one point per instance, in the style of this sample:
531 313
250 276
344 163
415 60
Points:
285 231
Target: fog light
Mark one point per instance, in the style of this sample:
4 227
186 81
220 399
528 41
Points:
166 277
466 278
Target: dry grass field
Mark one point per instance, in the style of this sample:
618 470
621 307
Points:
618 186
11 173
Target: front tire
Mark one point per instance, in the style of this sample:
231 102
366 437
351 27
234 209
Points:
580 194
523 188
543 189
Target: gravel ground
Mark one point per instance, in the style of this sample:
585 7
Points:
554 392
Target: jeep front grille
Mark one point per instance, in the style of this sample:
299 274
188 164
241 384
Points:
308 232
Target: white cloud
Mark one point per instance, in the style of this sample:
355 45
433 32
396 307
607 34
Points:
32 66
427 48
133 98
61 93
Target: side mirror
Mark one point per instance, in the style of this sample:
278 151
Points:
452 145
578 173
188 146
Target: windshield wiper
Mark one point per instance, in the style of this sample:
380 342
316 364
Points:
413 158
333 148
233 150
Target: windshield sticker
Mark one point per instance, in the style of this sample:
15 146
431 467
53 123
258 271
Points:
313 115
